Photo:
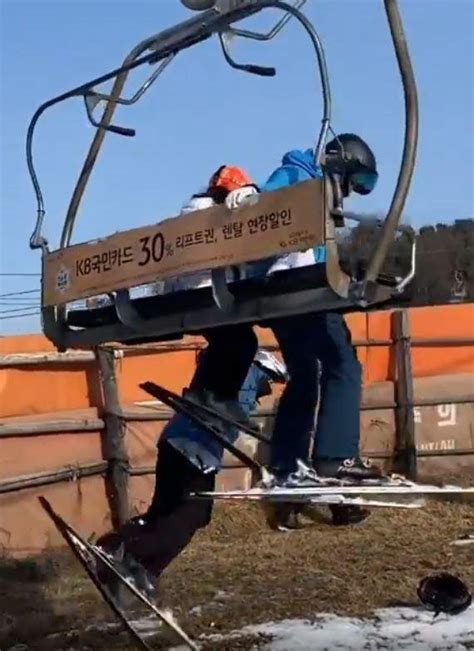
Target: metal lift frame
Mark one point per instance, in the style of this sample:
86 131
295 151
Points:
159 50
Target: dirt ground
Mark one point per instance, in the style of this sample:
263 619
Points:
238 572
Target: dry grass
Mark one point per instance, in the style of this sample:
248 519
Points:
238 572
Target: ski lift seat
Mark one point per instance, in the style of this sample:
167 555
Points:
301 216
194 311
178 304
280 287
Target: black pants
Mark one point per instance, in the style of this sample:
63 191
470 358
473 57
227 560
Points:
226 361
158 536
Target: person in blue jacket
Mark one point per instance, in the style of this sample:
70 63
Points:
189 459
317 349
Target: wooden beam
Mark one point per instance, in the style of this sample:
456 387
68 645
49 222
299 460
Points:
52 357
405 397
59 426
114 449
70 473
86 356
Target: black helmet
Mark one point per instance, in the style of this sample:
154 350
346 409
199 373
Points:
352 158
444 592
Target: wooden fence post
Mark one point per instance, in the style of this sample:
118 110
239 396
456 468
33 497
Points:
405 452
114 448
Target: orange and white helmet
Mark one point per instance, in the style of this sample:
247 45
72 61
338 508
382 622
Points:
229 177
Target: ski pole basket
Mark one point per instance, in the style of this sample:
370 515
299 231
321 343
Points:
107 272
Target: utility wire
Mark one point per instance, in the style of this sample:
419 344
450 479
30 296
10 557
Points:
19 316
22 306
20 299
13 275
19 309
28 291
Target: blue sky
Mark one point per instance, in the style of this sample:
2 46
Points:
201 113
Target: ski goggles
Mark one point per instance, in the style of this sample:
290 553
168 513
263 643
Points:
363 182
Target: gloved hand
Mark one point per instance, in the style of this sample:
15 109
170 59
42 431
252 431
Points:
240 195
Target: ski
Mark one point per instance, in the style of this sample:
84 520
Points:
212 421
88 554
467 539
174 400
306 493
342 500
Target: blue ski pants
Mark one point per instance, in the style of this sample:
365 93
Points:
322 364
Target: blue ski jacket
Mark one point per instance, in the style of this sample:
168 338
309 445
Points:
296 166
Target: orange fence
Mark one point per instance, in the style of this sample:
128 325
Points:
53 423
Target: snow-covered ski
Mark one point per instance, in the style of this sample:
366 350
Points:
88 555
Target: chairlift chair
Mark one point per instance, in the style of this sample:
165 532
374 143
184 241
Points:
290 219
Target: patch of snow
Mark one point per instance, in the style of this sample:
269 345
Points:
397 629
147 626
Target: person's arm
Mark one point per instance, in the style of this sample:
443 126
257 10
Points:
239 196
197 203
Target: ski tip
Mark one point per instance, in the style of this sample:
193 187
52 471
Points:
467 539
147 386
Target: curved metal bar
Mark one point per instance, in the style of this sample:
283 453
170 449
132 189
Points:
251 68
276 29
128 101
113 128
322 67
410 143
36 240
222 296
412 270
96 144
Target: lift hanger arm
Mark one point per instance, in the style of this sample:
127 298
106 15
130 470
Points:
410 144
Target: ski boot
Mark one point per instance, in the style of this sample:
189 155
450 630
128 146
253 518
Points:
127 566
288 516
283 516
353 470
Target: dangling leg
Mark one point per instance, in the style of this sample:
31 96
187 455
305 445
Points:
222 370
155 538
